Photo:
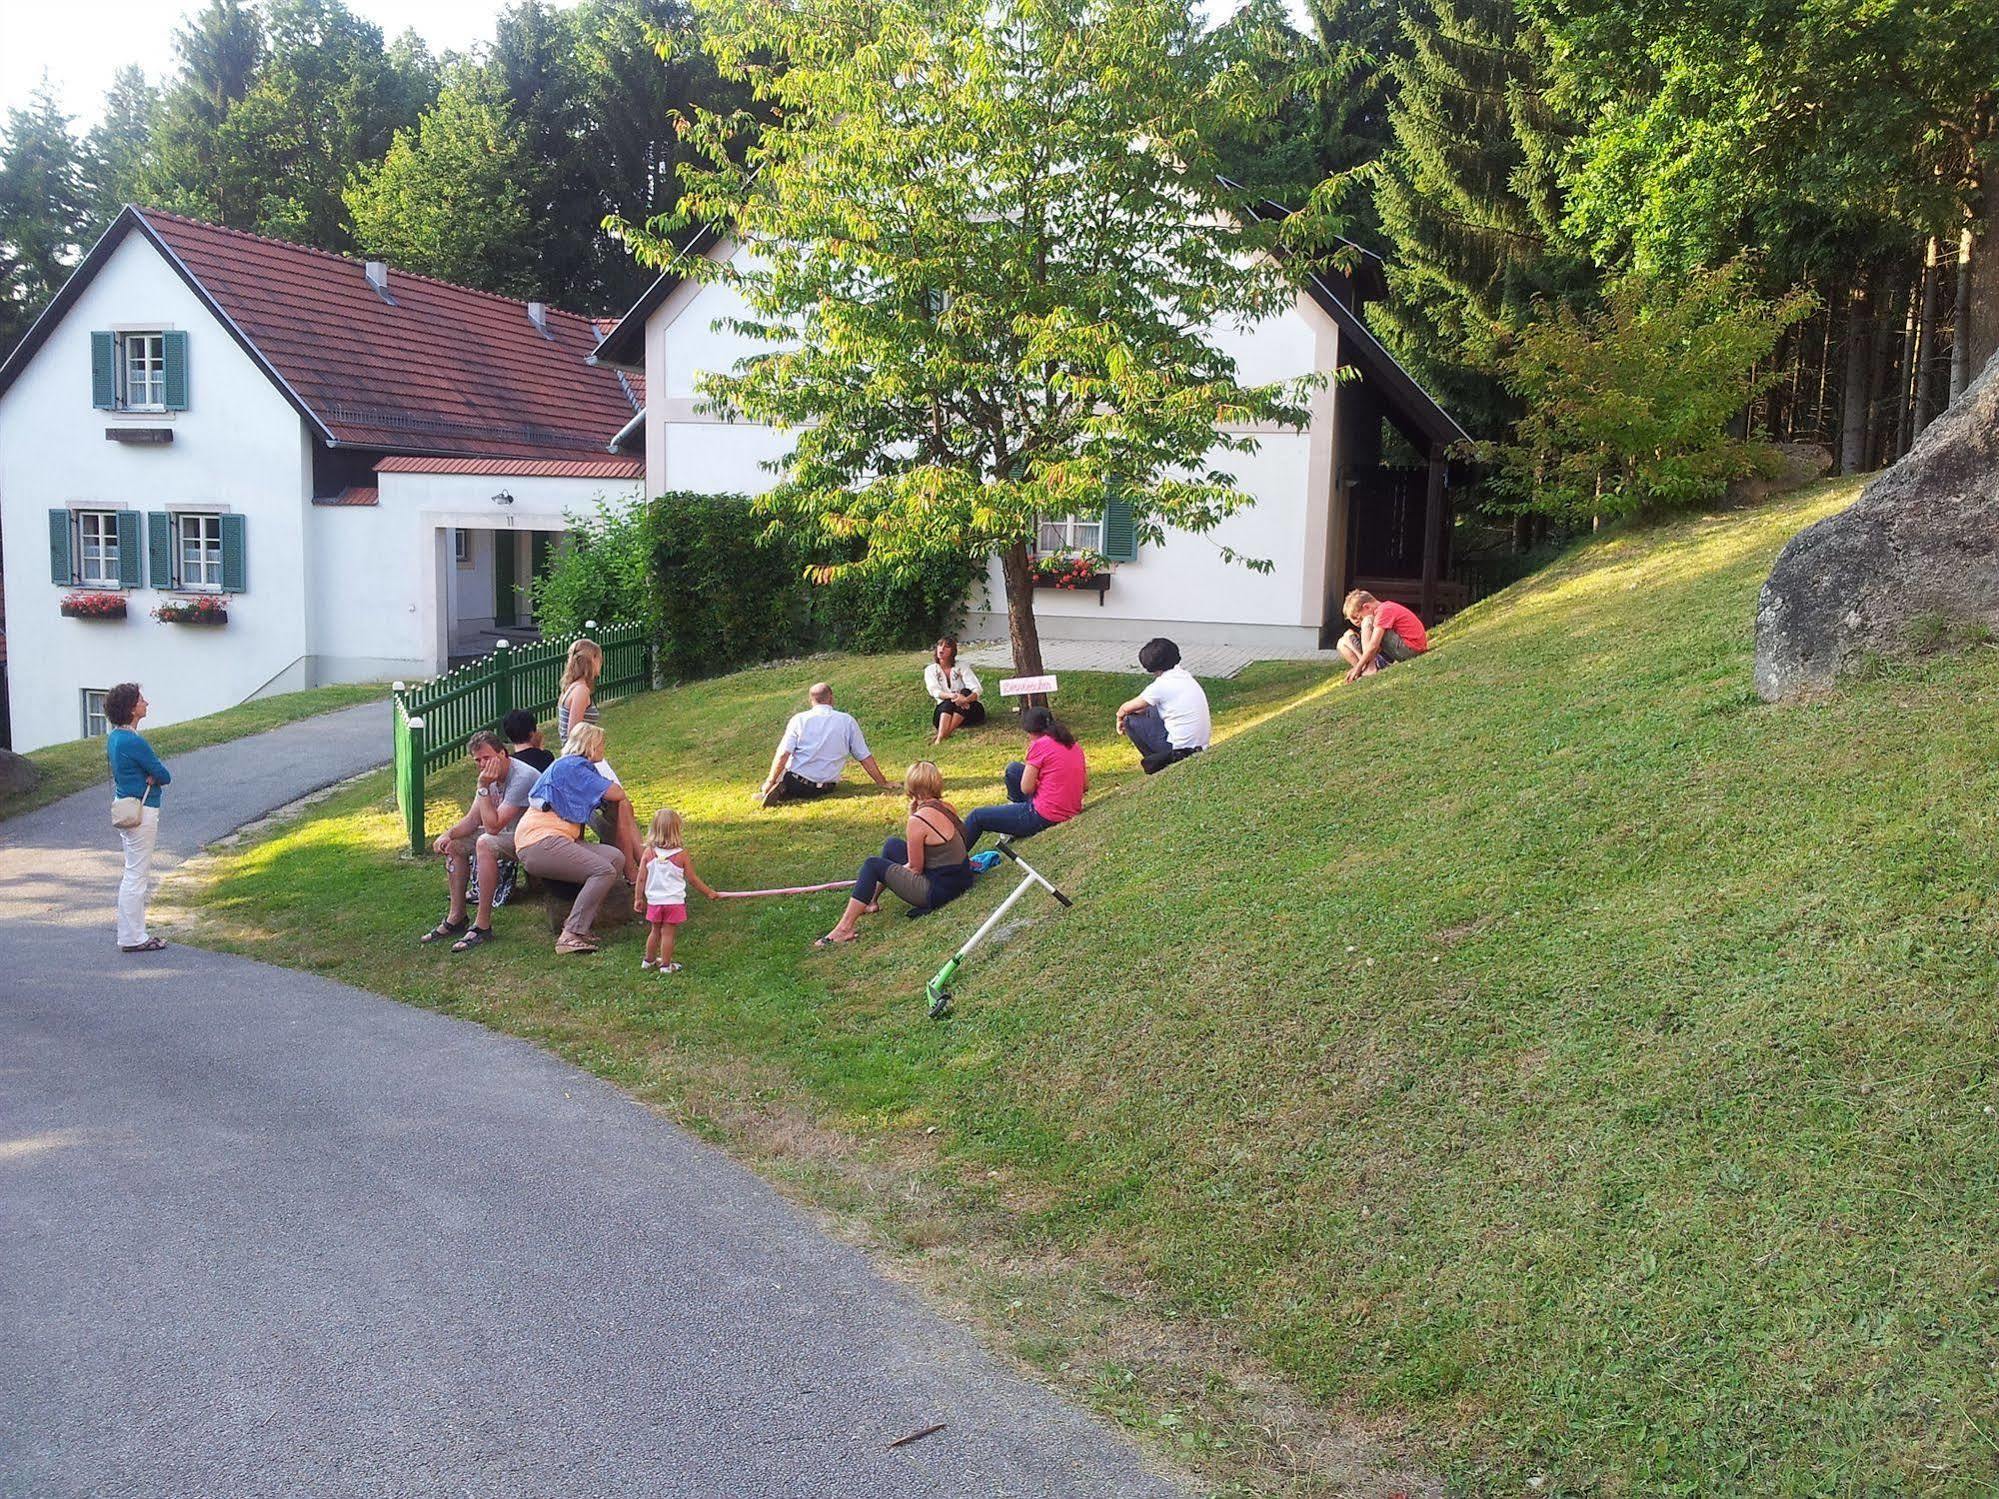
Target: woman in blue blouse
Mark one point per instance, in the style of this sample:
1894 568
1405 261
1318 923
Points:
135 771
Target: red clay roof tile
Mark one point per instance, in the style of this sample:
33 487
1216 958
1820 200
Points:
519 468
443 370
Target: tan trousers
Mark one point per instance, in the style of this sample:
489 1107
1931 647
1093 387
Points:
594 866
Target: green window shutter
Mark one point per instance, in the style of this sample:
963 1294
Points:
159 527
103 371
128 549
61 569
233 575
176 360
1120 534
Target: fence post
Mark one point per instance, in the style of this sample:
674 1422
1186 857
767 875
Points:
410 780
503 683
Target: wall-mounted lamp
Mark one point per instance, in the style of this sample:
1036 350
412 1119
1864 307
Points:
503 498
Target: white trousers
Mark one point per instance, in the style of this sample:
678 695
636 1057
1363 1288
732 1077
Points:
137 884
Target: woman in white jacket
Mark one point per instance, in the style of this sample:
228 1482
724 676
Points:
954 690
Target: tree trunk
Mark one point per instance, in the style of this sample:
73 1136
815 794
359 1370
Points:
1017 568
1905 372
1853 389
1926 338
1882 418
1819 433
1983 312
1777 397
1960 331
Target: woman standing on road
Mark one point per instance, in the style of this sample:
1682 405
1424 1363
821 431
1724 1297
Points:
135 772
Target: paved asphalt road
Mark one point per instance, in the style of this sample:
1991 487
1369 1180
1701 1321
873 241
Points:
265 1234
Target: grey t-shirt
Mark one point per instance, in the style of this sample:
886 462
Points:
513 791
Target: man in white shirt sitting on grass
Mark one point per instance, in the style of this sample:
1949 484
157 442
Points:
814 752
1169 720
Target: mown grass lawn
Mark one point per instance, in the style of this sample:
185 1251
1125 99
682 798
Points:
77 763
1558 1064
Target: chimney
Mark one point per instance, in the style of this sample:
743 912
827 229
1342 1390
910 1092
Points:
538 315
378 277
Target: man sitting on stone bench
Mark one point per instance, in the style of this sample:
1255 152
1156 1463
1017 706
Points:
485 835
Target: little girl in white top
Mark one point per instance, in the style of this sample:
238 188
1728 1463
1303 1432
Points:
665 872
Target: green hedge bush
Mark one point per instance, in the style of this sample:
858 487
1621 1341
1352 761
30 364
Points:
719 590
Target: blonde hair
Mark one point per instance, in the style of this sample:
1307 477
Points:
586 660
665 829
923 782
585 739
1355 599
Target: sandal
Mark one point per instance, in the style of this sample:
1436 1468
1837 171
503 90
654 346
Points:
151 944
446 929
669 968
829 940
479 936
571 946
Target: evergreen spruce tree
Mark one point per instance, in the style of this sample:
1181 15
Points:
1470 198
115 151
42 209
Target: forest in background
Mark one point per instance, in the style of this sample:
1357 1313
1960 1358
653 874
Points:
1613 228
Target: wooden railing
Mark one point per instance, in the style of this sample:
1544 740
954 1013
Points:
433 720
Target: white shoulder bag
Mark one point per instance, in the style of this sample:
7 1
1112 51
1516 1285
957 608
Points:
127 811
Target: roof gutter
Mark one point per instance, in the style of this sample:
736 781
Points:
635 424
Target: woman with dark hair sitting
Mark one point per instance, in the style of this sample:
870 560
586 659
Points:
928 867
136 773
1041 791
954 691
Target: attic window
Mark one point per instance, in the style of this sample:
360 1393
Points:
142 366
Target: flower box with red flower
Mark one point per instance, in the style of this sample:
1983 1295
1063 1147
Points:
1074 572
93 606
194 611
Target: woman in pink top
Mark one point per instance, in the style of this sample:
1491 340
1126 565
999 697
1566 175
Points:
1048 788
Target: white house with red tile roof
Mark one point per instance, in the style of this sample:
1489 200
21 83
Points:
362 466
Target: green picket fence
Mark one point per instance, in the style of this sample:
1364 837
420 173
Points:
432 721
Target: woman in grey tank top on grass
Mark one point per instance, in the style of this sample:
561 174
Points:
578 700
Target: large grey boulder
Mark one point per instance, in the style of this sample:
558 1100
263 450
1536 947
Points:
1914 558
18 774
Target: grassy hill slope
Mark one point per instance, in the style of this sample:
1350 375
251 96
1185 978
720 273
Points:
1545 1054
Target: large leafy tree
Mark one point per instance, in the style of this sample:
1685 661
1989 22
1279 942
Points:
42 209
1826 136
446 200
984 246
272 110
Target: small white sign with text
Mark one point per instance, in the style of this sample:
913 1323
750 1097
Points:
1026 686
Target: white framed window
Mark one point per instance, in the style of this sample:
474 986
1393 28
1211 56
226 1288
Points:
95 726
1071 533
461 546
198 551
142 371
97 548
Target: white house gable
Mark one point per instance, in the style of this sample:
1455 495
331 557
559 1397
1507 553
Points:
186 436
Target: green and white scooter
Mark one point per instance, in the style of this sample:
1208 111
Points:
938 990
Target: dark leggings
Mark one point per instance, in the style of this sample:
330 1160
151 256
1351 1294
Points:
973 716
889 870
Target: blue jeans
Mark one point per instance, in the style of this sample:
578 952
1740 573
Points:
1013 818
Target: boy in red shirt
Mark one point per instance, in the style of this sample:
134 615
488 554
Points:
1383 633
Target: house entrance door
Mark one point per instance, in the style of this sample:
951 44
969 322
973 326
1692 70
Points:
506 614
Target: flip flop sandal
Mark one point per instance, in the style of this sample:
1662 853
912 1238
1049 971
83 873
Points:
825 942
151 944
445 930
479 936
